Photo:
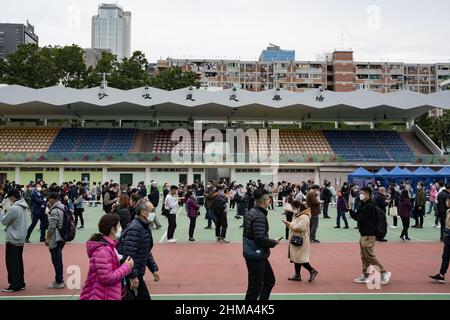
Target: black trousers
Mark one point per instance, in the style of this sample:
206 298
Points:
142 290
232 203
326 205
442 222
298 267
192 227
445 254
14 266
44 226
261 280
78 213
418 216
57 261
405 223
221 225
172 218
289 216
271 202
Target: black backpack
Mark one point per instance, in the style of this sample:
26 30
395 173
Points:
69 229
380 223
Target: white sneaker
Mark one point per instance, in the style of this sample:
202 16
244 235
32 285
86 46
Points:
437 226
172 240
393 227
385 277
361 279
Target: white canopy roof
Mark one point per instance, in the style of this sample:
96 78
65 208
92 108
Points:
62 102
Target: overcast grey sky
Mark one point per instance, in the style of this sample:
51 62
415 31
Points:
380 30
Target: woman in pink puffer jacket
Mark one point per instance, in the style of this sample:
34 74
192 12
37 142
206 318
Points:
104 280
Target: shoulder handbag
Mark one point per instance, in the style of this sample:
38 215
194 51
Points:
296 241
251 250
393 211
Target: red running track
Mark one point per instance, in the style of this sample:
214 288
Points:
209 268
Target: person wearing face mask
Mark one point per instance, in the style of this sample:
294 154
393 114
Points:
219 207
110 197
105 275
171 206
37 213
299 243
394 200
54 240
419 206
314 204
440 277
365 215
137 242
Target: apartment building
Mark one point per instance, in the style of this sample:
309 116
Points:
336 72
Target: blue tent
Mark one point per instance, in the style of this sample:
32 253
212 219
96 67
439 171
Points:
426 175
382 176
444 174
431 171
398 175
361 177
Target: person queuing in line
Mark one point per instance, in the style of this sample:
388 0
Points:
136 242
299 242
341 207
394 200
199 194
250 197
256 249
54 241
231 194
280 194
94 191
134 199
209 194
439 188
15 221
153 197
365 215
442 208
379 199
110 197
38 203
219 207
142 189
171 206
193 212
405 208
314 204
288 212
327 196
440 277
122 209
432 198
419 206
79 208
105 275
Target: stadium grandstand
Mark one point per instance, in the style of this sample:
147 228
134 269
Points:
60 134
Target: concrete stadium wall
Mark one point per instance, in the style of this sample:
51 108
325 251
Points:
95 176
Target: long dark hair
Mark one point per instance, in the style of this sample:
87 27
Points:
404 194
105 225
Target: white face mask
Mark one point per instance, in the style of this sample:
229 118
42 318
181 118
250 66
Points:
118 231
362 197
39 189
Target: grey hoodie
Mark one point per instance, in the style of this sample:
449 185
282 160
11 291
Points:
15 221
55 222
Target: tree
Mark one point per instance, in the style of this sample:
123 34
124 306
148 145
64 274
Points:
438 129
107 64
3 66
31 66
131 73
71 67
174 78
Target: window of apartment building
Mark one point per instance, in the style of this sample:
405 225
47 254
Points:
303 76
316 66
362 76
315 76
362 66
375 67
375 77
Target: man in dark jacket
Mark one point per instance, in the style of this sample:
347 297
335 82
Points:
256 247
142 189
137 242
379 199
441 211
327 195
419 206
153 196
314 204
219 206
365 215
37 213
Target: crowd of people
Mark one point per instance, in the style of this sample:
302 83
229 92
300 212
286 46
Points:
120 252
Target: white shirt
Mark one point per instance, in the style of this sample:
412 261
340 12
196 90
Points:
171 204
